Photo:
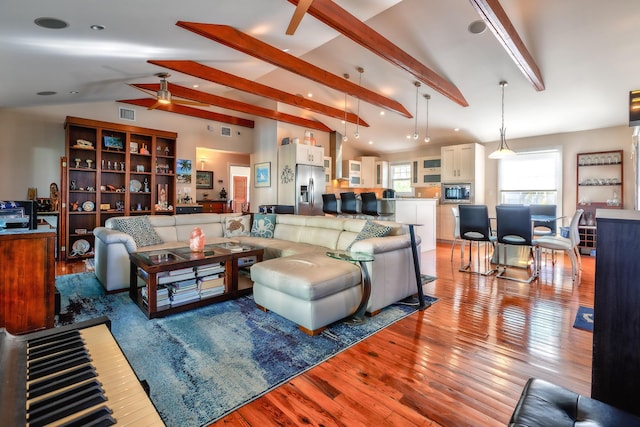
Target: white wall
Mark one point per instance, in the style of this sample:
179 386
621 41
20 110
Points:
32 140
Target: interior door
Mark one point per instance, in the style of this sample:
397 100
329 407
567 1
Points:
240 194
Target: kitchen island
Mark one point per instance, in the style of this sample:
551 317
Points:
419 211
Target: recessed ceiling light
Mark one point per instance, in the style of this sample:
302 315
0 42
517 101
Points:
46 93
310 95
382 113
51 23
477 27
456 129
285 50
97 27
196 85
370 142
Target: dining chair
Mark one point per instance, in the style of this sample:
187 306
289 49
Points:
513 224
456 231
330 204
475 227
544 227
369 205
568 245
348 204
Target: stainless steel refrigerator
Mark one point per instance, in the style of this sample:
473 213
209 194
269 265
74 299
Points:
302 186
309 189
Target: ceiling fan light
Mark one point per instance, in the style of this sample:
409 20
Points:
164 97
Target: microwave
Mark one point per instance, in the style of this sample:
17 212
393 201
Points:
457 193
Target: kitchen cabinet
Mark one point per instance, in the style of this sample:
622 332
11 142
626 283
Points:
462 163
382 174
327 171
446 222
426 172
368 171
303 154
419 211
353 171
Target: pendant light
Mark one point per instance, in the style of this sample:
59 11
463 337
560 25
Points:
503 149
356 135
415 127
427 138
345 138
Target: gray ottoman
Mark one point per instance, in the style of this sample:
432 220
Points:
310 289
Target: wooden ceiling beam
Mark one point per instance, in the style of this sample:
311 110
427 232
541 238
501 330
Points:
231 104
220 77
242 42
500 25
342 21
190 111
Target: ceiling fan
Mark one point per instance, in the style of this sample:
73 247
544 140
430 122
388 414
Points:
163 96
301 9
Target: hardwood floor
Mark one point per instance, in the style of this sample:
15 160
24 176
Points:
461 362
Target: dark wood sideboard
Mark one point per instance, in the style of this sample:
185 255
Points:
215 206
27 280
616 332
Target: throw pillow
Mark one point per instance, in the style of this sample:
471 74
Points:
235 226
138 227
371 229
263 225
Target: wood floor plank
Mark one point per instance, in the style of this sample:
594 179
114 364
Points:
463 361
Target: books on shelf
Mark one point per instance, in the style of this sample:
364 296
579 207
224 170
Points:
186 274
209 269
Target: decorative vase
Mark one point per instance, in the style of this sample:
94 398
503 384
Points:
196 240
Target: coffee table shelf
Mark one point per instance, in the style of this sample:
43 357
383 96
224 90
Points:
192 279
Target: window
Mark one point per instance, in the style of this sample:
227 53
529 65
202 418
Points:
401 178
531 178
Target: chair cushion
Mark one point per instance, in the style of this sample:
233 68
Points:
138 227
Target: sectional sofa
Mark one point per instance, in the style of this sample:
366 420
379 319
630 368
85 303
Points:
296 279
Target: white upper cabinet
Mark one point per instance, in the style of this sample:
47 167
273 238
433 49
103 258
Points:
303 154
462 163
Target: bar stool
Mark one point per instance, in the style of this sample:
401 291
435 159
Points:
348 204
369 205
330 204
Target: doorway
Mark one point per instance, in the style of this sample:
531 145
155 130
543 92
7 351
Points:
239 181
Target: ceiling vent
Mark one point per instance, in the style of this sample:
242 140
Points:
127 114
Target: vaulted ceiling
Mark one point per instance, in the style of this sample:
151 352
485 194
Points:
570 64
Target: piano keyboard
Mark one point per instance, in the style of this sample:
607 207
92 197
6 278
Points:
80 377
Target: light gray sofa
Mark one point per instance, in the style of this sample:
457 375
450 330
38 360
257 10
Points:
296 237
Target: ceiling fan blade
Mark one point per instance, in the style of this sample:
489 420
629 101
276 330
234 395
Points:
301 9
155 105
185 102
148 92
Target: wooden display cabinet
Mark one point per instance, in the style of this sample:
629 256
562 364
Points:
109 170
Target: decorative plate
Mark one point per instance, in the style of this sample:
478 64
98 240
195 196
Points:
80 247
135 185
88 206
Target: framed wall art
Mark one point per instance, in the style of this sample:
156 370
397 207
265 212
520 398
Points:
262 175
204 180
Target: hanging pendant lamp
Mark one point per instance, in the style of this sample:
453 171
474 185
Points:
356 135
415 127
427 138
503 149
345 138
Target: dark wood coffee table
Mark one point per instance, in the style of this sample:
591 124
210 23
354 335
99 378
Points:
179 272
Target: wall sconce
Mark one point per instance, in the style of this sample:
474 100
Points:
202 159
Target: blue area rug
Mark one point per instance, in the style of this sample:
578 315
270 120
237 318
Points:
584 319
204 363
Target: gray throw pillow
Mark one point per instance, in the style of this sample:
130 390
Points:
371 229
